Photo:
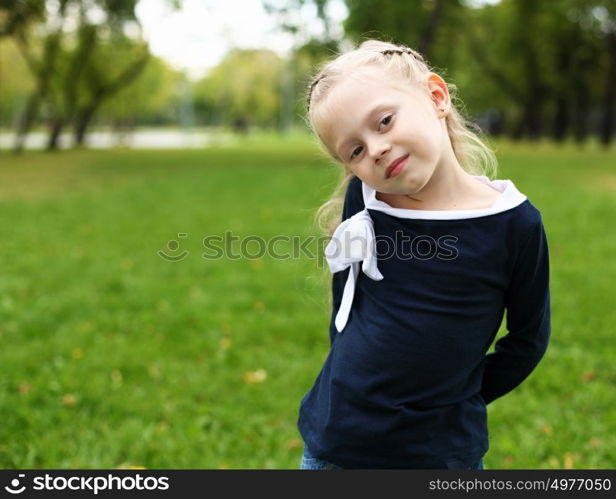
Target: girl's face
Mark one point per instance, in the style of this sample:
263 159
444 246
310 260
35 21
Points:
372 124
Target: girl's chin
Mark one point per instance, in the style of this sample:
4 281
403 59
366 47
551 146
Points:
408 187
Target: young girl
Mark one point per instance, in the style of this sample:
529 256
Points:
443 252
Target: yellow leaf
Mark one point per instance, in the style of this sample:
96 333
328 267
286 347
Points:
256 264
294 443
225 343
129 466
153 371
257 376
69 400
569 460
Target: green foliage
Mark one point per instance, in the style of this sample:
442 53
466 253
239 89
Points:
148 99
115 357
151 98
502 37
543 66
308 59
246 84
73 61
17 15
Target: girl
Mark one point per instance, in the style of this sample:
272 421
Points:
444 251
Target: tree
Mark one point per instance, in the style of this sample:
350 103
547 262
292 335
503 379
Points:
66 56
15 83
245 86
16 15
114 65
606 15
541 68
421 25
150 99
100 61
41 65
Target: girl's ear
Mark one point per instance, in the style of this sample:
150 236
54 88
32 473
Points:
439 94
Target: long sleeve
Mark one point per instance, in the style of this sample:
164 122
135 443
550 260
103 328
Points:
527 302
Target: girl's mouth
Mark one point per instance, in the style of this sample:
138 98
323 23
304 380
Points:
396 167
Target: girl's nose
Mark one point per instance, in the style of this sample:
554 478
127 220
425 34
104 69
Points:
379 149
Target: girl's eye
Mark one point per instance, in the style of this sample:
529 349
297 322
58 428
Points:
355 151
386 120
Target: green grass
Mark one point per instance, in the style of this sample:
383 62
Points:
114 357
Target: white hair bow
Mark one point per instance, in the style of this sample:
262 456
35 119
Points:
353 242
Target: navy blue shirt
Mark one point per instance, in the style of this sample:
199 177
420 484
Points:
406 382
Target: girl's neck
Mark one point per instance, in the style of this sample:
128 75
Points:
449 188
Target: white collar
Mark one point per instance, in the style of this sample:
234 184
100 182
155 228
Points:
354 240
510 198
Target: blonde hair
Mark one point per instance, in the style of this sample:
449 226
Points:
409 66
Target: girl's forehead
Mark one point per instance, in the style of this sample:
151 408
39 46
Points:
367 85
359 92
363 88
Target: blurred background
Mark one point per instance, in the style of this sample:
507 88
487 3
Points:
104 72
130 130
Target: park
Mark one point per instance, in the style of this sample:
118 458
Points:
117 357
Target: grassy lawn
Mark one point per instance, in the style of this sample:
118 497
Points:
115 357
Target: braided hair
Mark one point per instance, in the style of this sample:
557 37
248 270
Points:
398 51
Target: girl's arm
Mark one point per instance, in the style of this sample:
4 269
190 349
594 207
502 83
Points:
528 320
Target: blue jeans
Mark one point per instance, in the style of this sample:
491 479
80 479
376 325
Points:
309 462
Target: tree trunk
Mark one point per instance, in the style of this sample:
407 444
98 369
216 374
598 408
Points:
86 113
42 74
535 96
518 130
562 115
26 120
55 129
427 38
581 111
561 119
500 79
87 41
82 121
607 124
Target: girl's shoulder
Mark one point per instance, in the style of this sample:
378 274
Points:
526 217
353 199
529 226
